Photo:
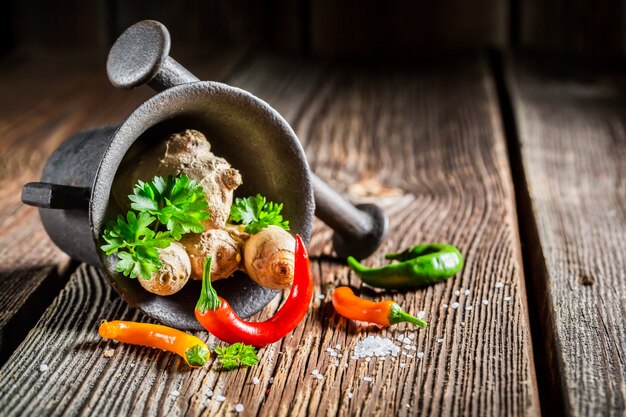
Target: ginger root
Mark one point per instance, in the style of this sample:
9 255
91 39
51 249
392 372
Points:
187 152
269 257
220 245
173 274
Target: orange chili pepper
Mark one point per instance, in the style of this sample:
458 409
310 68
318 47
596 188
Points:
384 313
189 347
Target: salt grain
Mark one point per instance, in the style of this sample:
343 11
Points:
337 346
420 355
468 308
43 368
485 301
175 393
375 346
349 395
444 305
255 381
271 381
457 293
367 379
454 305
209 393
402 365
321 296
412 336
467 292
319 376
507 298
439 340
219 398
239 408
400 338
499 285
421 314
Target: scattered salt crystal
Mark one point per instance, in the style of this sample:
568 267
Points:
413 348
175 393
407 405
345 365
340 355
421 314
132 364
321 296
368 359
107 353
43 368
467 292
439 340
485 301
319 376
400 338
337 346
412 336
468 308
349 395
420 355
219 398
444 305
409 356
457 293
255 381
315 372
404 352
271 381
367 379
329 350
402 365
336 363
499 285
375 346
332 353
209 393
507 298
239 408
454 305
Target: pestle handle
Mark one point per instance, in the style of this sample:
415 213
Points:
141 56
359 230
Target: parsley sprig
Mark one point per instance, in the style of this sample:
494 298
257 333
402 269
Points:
135 243
256 213
235 355
178 202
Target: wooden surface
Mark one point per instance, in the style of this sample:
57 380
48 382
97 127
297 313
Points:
572 130
427 144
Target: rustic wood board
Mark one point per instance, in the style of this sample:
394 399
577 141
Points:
572 132
428 146
44 102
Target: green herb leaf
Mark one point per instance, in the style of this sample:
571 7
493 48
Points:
178 202
235 355
135 244
256 213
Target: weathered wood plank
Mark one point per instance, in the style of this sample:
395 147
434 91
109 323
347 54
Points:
572 132
427 145
43 103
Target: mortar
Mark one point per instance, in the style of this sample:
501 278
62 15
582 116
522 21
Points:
74 195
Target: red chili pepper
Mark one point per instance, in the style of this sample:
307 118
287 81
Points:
216 315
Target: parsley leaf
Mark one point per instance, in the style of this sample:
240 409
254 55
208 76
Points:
256 213
135 244
235 355
178 202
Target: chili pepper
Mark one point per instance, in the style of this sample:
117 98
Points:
216 315
192 349
384 313
418 266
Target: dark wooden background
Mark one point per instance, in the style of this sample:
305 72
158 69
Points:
348 28
537 89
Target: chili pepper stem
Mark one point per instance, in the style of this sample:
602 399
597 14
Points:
197 355
396 315
209 299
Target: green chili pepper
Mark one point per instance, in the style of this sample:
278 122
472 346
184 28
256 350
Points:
418 266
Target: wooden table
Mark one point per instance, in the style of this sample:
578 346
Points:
519 162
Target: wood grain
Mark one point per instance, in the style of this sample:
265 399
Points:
427 145
572 133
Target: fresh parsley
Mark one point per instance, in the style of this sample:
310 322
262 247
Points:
256 213
135 244
178 202
235 355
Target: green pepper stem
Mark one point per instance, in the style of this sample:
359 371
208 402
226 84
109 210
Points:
209 299
197 355
396 315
